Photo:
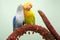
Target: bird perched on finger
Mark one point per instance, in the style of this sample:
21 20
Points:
28 13
18 19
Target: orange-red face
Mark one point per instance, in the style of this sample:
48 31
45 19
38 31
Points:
27 6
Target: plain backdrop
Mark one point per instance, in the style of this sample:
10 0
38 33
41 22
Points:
51 8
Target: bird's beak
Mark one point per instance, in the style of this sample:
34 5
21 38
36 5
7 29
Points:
28 7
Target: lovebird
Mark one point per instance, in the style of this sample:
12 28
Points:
18 19
28 13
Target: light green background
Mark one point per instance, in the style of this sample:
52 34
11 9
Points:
51 8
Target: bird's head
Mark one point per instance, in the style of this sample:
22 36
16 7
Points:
27 5
20 8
